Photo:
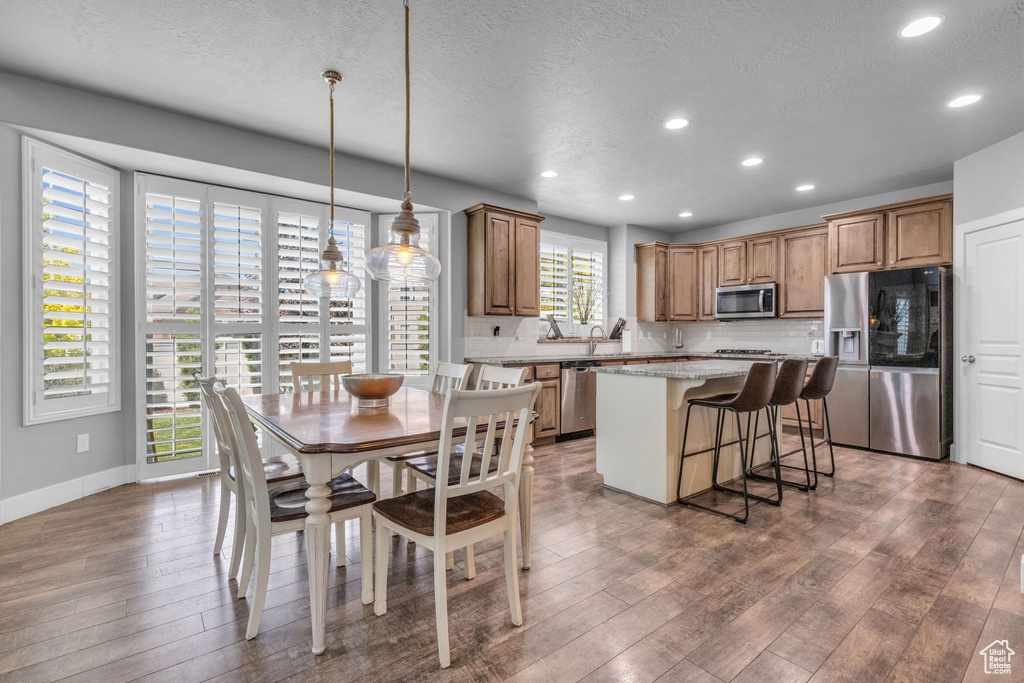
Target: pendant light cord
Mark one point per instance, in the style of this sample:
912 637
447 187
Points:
330 228
408 194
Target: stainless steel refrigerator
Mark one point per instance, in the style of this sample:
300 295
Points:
893 333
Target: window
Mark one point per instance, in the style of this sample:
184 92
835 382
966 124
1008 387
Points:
409 313
572 286
208 305
71 364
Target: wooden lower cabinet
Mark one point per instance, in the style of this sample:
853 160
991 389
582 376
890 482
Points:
548 409
817 417
803 265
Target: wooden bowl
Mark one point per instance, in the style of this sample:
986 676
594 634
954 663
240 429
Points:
372 390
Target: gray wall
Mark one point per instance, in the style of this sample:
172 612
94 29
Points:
622 265
33 457
567 226
989 182
810 215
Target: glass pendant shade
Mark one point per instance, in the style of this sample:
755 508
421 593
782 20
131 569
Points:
402 259
331 283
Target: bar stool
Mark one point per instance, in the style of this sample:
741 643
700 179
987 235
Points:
751 399
818 387
789 386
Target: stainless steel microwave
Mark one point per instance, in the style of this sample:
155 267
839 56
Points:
746 301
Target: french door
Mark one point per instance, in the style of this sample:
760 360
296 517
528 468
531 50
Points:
219 291
992 344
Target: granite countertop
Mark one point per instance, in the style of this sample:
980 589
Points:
694 369
504 360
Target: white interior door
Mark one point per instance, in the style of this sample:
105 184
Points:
992 349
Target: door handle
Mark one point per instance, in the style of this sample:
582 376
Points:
967 359
760 301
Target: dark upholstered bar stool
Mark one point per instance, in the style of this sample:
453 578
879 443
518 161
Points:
751 400
789 385
818 387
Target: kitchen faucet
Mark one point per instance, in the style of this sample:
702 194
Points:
592 341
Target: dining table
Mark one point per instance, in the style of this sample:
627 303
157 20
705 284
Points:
330 434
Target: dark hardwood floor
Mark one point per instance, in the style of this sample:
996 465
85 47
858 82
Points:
896 570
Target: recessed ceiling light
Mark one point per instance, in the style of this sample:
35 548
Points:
919 27
752 161
686 214
675 124
964 101
804 188
626 197
549 174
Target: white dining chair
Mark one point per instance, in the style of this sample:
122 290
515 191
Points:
325 371
281 510
452 516
444 377
424 468
279 470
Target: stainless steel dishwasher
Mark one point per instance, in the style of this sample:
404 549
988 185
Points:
579 396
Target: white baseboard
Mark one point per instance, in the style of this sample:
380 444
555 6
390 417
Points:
43 499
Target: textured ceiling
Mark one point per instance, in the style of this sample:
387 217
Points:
825 91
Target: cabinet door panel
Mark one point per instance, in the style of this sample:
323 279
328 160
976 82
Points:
549 409
920 235
527 268
856 244
682 278
732 264
762 258
661 284
803 265
500 272
708 281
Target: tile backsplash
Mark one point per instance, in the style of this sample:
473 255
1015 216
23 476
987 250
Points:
517 337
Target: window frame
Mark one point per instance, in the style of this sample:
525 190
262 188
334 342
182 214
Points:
572 243
36 154
208 328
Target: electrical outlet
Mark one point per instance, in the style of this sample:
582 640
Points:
708 336
82 443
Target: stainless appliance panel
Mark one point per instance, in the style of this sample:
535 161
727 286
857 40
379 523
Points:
579 399
848 406
905 409
846 317
906 317
746 301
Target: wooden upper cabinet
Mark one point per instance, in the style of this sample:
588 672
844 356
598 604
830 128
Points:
503 250
920 235
527 270
732 263
707 281
682 281
651 282
762 259
803 265
857 243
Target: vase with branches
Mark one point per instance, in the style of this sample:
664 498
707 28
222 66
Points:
587 295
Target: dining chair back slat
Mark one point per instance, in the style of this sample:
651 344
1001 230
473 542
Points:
449 376
497 377
325 371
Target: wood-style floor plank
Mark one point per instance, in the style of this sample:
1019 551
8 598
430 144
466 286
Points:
895 569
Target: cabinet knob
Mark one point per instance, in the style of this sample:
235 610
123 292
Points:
879 263
891 262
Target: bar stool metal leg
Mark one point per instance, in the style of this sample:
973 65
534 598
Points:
719 431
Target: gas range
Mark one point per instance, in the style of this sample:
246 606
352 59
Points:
747 352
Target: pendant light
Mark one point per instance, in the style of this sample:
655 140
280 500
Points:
331 281
402 259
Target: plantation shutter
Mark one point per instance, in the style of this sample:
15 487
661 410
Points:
71 330
347 328
554 279
173 253
588 268
408 314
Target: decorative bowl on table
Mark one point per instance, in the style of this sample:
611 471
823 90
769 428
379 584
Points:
372 390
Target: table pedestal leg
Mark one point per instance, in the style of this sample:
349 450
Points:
526 503
318 545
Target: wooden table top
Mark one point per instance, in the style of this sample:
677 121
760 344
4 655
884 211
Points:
330 422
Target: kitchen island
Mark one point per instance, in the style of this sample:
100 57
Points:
641 410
